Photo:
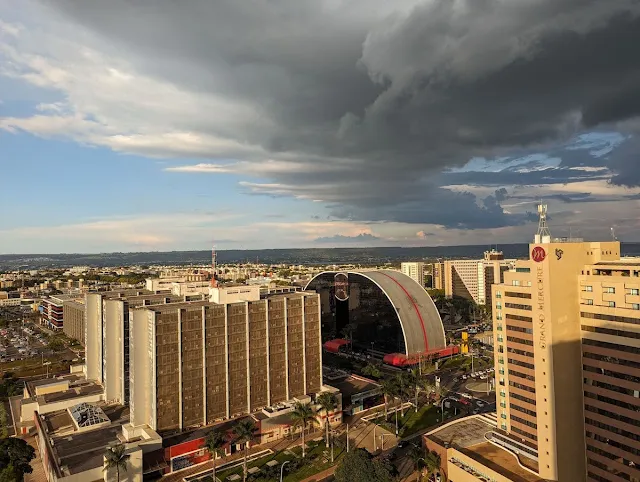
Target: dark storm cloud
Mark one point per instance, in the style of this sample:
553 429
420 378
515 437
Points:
398 95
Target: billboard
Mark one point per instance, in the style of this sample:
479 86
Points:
341 283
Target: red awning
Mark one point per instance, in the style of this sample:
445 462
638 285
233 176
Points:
334 345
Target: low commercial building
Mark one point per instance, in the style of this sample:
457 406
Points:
468 453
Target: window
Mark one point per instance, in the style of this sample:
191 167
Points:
636 306
499 325
515 282
612 304
503 426
609 289
498 294
588 302
523 270
503 415
498 306
588 288
635 291
501 360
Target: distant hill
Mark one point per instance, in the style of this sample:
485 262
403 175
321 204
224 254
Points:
308 256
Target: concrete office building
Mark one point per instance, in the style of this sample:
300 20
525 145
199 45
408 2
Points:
415 271
199 362
537 314
107 337
73 314
471 278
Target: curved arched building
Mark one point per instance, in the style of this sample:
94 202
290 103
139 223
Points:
380 310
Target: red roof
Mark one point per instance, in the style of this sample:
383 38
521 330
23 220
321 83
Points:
334 345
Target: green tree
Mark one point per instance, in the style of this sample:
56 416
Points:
3 421
16 453
244 431
372 370
116 457
359 466
215 443
404 384
303 415
56 343
9 474
328 402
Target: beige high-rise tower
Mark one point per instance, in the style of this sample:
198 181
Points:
538 353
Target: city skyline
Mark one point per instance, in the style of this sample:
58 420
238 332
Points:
413 123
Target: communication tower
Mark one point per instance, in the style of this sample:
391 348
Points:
214 282
543 235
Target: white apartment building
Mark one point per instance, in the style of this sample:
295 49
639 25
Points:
471 278
414 270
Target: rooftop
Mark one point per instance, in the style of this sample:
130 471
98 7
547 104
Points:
501 461
352 385
468 437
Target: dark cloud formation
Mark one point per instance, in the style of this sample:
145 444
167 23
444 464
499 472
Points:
340 239
395 92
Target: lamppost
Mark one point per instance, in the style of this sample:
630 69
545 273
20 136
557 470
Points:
442 406
282 468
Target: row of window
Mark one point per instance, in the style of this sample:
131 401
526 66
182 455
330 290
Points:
521 341
522 409
513 294
609 331
523 421
612 290
517 306
605 317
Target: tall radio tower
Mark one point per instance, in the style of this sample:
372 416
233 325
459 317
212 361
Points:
214 282
543 235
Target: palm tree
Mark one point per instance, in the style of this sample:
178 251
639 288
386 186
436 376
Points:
328 402
302 415
244 432
388 389
415 378
416 454
431 463
116 458
214 443
347 331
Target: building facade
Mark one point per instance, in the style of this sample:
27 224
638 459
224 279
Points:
539 343
609 294
52 312
196 363
471 278
415 271
73 313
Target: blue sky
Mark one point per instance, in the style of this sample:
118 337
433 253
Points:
130 129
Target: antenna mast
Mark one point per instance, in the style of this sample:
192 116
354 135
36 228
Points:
214 282
543 235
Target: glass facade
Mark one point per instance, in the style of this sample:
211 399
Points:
367 316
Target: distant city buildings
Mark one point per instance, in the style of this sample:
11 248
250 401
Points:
415 271
470 278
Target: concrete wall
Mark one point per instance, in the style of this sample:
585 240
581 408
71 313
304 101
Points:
139 366
93 336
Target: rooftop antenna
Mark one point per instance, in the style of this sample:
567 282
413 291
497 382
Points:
543 235
214 282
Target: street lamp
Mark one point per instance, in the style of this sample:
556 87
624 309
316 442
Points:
282 468
442 405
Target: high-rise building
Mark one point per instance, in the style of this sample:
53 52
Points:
471 278
415 271
610 331
107 337
570 297
195 363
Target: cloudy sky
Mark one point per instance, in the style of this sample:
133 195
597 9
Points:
154 125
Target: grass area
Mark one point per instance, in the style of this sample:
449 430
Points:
412 421
297 469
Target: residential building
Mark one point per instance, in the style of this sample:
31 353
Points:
73 314
415 271
537 313
52 310
199 362
471 278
